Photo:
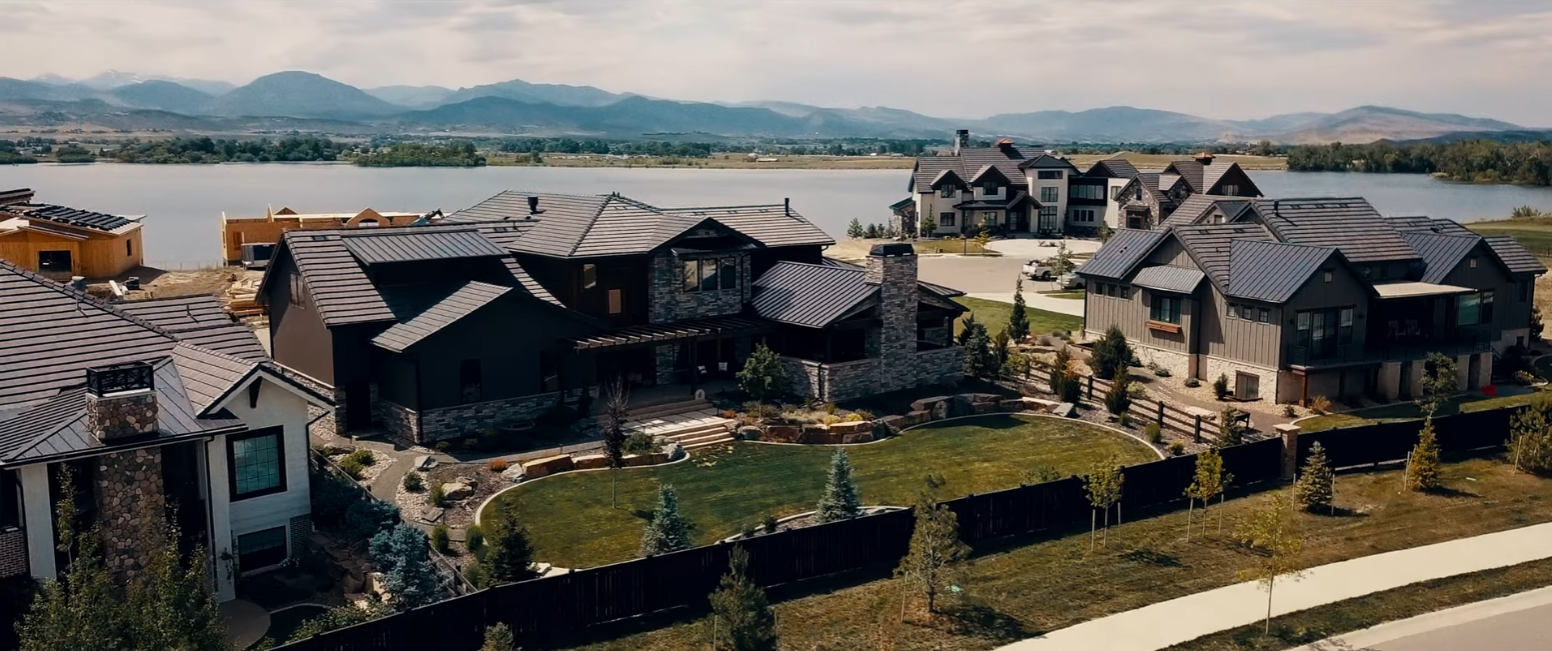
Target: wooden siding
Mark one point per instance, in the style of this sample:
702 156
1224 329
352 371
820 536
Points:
266 230
1251 342
298 338
1131 315
1170 252
1509 312
1344 290
98 256
507 337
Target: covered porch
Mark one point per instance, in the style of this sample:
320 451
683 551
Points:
669 359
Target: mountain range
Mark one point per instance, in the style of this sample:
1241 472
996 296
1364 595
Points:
516 107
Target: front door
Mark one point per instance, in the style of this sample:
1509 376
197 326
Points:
358 406
1020 221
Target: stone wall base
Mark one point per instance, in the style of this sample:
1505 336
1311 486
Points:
1269 380
398 419
472 420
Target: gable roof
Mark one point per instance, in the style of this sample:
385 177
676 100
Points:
1211 246
1441 253
1007 159
988 171
809 295
377 246
1272 271
1349 224
1116 168
199 320
1514 256
1195 206
462 302
1047 161
1125 248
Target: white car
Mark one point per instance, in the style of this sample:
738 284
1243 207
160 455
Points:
1038 270
1070 281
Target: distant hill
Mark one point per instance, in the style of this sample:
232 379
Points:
1518 136
1370 123
112 79
17 89
1111 124
522 91
411 96
163 96
301 94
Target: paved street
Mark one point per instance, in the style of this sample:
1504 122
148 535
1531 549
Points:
1521 622
993 279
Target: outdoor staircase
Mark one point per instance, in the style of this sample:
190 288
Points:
693 424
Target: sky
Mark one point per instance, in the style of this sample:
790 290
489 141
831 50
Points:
947 58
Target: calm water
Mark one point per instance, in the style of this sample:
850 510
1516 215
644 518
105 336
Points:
183 203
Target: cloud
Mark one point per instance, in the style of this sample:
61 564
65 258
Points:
1231 59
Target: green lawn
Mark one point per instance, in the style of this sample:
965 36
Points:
1064 293
572 524
1409 411
1331 620
995 315
1533 234
1021 590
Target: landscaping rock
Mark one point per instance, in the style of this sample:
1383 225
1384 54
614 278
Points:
513 473
940 410
861 437
431 514
852 427
1065 410
674 451
927 404
376 584
749 433
469 481
894 423
590 461
457 490
424 462
547 466
917 418
783 434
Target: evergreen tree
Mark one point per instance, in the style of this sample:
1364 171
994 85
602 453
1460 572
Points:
871 232
1112 356
1230 430
932 564
762 376
1536 326
1018 319
508 553
1423 472
841 499
980 361
1315 486
967 329
616 413
666 531
1119 399
854 229
1105 232
1272 532
928 225
1059 369
498 637
403 555
1000 349
1210 481
1530 438
744 619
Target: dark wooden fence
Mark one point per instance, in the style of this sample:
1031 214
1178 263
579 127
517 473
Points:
1147 410
1387 442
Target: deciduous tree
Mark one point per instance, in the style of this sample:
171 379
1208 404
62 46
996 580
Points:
1272 534
1103 485
933 562
841 499
666 531
616 413
1209 481
743 617
1530 438
1438 383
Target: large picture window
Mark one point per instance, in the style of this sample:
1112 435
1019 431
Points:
1165 309
946 219
710 274
1468 310
257 463
1049 175
261 549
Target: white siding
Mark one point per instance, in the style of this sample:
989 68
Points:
278 405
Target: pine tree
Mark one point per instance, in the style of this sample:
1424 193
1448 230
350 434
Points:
743 617
1112 356
616 413
666 531
928 226
1018 319
1119 399
1423 472
508 553
1000 350
762 376
932 564
403 555
854 229
1315 486
841 499
871 231
1272 532
1209 482
980 361
498 637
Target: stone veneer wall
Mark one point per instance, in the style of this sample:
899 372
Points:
1268 384
339 405
860 378
668 302
896 277
13 552
665 356
301 527
944 365
473 420
113 416
397 418
129 491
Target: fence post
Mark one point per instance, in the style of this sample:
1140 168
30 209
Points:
1197 434
1290 436
1091 387
1161 414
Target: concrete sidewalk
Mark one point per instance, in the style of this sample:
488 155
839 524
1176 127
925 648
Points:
1071 306
1187 618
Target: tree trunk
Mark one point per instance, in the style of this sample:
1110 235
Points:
614 496
1105 537
932 602
1093 520
1269 585
1220 512
1190 511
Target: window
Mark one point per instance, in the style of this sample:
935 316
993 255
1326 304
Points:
1487 307
1468 310
946 219
298 290
257 463
729 271
261 549
1472 262
367 223
1265 316
1328 276
1048 218
1049 194
470 388
589 276
56 261
1115 193
691 272
1049 175
1345 326
1088 191
616 301
1126 293
709 275
1110 290
1247 386
989 187
1321 331
947 192
1165 309
1229 190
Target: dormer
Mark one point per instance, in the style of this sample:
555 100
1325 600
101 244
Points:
990 183
948 184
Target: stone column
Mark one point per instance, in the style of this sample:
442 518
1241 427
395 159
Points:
1484 369
1463 372
893 268
1290 435
129 494
1415 378
665 363
1389 380
218 492
38 514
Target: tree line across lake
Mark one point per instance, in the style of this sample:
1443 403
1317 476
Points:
1471 161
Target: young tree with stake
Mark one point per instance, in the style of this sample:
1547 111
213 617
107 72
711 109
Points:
1209 482
1423 471
932 564
1272 533
1103 484
616 413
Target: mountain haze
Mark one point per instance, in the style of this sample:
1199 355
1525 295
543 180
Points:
301 94
163 96
522 91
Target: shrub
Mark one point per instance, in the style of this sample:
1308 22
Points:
1136 390
1119 398
367 518
863 414
746 531
1125 420
830 408
1320 405
498 465
1161 372
441 540
640 443
352 467
413 482
1111 354
1177 448
853 417
1193 382
1524 377
1289 411
1070 387
1221 386
469 443
331 498
474 538
729 414
476 575
769 524
443 446
363 456
1230 430
438 498
1154 432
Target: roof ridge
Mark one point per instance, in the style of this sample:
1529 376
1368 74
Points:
83 297
816 264
1282 243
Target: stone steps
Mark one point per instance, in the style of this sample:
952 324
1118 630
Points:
706 440
668 409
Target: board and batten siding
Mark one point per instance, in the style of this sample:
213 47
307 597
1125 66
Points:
1251 342
1509 312
298 337
1131 316
1170 252
1344 290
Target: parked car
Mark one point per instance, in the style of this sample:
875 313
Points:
1038 270
1070 281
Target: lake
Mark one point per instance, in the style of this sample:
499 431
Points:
183 203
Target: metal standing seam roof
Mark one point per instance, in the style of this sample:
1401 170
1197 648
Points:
70 216
464 301
1211 245
773 225
809 295
1441 253
938 290
1116 257
420 244
1514 255
1169 279
1272 271
1350 224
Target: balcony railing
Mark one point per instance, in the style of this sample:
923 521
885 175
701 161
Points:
1384 351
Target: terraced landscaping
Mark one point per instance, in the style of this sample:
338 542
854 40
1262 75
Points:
572 524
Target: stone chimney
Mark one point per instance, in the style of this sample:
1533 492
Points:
893 268
121 401
961 140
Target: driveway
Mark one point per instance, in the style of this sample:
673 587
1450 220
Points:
1031 249
993 279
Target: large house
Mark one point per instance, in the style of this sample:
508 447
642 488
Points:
158 408
61 242
1296 298
1149 199
496 314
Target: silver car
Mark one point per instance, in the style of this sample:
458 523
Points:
1070 281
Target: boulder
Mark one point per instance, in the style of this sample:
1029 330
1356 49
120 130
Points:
590 461
852 427
513 473
457 491
749 433
431 514
783 434
918 417
1065 410
860 437
926 404
547 466
424 462
469 481
940 410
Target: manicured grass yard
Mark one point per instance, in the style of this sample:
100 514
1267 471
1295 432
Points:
1020 592
1409 411
572 524
995 315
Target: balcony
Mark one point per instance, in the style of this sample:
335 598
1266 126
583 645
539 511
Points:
1374 352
